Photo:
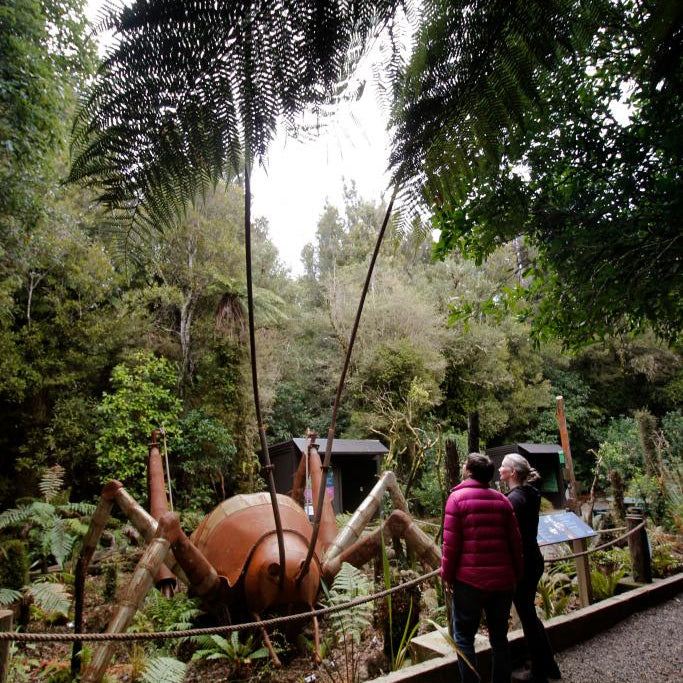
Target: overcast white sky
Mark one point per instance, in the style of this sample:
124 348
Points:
299 177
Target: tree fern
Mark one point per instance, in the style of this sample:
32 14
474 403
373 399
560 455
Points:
350 583
193 92
472 78
8 596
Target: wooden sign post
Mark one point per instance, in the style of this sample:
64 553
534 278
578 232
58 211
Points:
572 499
568 527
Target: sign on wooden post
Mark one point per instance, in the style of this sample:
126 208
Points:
5 626
566 527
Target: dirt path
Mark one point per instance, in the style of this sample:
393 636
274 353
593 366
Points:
647 646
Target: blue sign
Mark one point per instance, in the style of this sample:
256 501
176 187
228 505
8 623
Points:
562 526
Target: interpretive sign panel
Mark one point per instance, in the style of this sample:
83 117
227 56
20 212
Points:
562 526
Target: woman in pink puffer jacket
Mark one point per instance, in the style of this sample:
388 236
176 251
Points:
481 563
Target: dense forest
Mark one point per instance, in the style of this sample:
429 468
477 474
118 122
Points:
99 345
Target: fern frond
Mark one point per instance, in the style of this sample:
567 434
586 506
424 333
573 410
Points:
193 91
15 516
350 583
8 596
164 670
51 482
50 597
470 85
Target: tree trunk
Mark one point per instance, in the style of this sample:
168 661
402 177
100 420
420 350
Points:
452 464
186 316
473 432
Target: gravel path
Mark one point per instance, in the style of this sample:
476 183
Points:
645 648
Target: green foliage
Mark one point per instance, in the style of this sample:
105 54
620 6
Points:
53 530
597 199
171 614
555 592
665 562
23 664
164 670
236 652
51 598
14 566
203 457
349 624
142 399
608 567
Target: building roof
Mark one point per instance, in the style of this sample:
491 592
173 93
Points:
525 449
339 446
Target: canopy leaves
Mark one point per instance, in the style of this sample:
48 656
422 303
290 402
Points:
194 90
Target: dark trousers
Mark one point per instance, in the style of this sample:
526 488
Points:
468 605
540 653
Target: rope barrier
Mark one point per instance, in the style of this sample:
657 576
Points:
266 623
550 560
162 635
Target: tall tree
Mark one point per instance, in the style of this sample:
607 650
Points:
596 195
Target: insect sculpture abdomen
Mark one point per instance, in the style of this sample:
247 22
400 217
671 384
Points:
238 539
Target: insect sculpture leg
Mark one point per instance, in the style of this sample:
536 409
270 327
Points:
348 547
352 530
131 599
316 640
266 641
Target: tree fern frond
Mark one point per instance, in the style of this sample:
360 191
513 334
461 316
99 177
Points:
350 583
471 82
15 516
192 91
164 670
59 542
50 597
51 482
8 596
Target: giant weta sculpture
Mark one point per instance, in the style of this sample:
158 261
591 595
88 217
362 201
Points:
232 560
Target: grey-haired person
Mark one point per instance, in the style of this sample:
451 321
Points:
525 497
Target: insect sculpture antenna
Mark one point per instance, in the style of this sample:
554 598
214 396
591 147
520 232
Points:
267 465
337 399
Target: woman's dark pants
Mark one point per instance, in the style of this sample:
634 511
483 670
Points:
468 605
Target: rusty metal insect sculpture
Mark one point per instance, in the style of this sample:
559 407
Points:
256 552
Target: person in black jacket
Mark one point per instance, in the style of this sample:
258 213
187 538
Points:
519 476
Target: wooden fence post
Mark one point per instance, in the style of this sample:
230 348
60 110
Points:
639 547
5 626
583 571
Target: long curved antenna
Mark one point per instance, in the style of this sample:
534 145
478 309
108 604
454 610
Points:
337 399
267 465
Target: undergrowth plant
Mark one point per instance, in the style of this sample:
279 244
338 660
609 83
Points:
555 591
51 525
238 651
349 624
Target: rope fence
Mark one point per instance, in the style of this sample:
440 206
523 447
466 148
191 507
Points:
214 630
266 623
562 558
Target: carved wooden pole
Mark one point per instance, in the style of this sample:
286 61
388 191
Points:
572 500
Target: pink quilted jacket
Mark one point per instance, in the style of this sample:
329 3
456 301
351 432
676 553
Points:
482 545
